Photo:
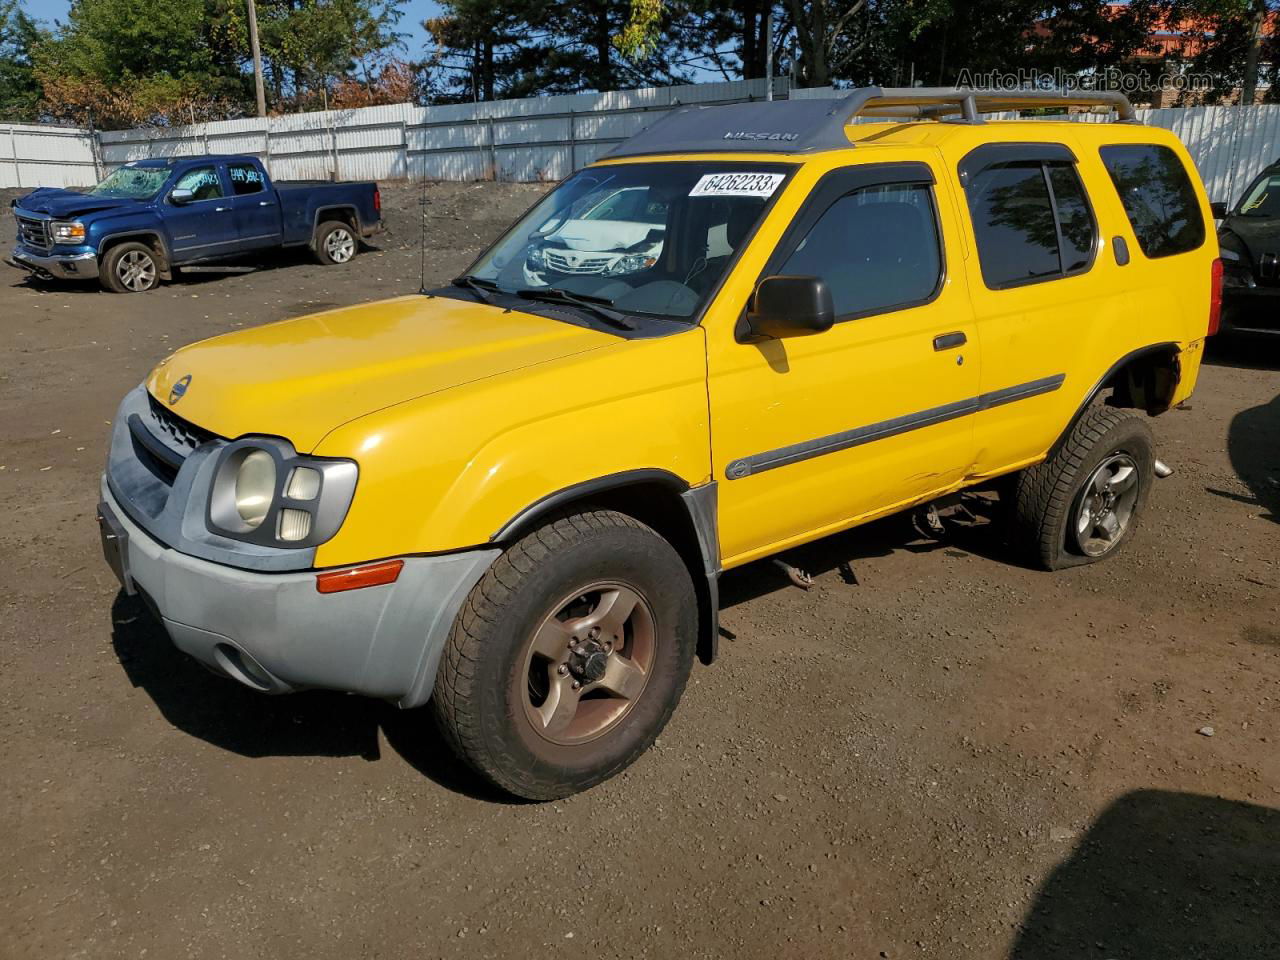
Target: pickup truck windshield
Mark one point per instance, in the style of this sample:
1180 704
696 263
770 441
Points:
132 183
645 238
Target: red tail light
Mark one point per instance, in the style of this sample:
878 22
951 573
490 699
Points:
1215 297
377 199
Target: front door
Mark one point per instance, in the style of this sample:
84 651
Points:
205 225
812 433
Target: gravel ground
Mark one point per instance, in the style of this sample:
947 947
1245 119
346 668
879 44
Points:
954 757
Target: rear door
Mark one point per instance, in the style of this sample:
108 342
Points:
257 214
1036 296
205 226
811 433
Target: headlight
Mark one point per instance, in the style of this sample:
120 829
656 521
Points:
631 263
535 259
255 487
68 232
265 493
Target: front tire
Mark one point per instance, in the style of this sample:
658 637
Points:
1083 503
130 268
335 242
569 656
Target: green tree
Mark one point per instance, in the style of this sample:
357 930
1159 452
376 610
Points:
19 87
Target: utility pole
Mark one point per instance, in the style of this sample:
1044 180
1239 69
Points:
768 51
257 59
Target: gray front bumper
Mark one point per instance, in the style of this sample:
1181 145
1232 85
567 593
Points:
276 633
78 266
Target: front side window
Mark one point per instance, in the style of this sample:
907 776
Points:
203 183
132 183
645 238
1158 197
1032 221
877 248
1262 199
245 178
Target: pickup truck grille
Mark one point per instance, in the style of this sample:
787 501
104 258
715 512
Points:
34 233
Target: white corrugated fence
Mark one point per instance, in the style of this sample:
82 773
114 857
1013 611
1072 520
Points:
538 138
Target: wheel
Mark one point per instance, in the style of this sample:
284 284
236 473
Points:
1083 503
130 268
335 242
569 656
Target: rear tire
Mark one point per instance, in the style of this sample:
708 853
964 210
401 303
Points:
1084 502
595 599
130 268
335 242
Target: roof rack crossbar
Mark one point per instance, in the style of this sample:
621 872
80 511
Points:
802 126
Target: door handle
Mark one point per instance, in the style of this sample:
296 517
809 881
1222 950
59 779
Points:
949 341
265 203
221 209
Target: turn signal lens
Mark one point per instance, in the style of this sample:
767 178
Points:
370 575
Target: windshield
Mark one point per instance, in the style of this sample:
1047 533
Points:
132 183
1264 199
646 238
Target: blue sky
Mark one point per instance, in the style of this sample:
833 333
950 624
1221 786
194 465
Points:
412 13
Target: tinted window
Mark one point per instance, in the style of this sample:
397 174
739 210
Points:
1158 197
1074 217
1020 239
202 182
245 178
876 248
1013 221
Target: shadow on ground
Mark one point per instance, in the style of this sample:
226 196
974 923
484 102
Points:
314 723
1160 876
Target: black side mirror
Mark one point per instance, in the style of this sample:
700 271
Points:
1219 210
178 196
789 307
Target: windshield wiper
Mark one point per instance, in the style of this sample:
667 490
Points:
478 285
597 305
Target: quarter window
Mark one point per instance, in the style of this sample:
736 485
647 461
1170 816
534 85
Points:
202 182
1032 221
1158 197
877 249
245 178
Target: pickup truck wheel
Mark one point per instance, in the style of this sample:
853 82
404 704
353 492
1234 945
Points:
130 268
335 242
1083 503
569 656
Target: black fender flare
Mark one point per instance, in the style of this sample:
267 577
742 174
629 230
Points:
700 506
1151 349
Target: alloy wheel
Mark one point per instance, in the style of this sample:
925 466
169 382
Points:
1105 505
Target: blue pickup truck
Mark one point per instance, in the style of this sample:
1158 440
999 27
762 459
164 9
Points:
151 216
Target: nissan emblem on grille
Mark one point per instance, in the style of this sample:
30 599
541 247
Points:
179 389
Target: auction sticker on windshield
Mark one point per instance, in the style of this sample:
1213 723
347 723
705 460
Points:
737 185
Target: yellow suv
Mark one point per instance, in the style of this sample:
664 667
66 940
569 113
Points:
748 327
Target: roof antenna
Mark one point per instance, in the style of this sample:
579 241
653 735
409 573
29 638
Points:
422 242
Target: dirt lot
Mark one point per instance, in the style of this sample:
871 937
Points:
956 757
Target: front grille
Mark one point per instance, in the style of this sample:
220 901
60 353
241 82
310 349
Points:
573 263
33 232
181 433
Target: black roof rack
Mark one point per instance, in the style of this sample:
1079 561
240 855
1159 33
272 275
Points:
803 126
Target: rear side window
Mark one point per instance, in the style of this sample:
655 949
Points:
1158 197
877 248
245 178
1032 221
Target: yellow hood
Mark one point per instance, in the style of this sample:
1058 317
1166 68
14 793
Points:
301 378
